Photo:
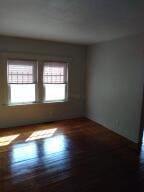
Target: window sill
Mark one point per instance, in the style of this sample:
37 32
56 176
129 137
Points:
56 101
20 104
35 103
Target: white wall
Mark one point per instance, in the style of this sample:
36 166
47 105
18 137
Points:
21 115
115 84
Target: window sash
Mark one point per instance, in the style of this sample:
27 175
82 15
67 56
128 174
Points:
22 71
18 98
55 72
55 94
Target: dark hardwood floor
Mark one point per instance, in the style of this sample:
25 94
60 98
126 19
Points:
77 155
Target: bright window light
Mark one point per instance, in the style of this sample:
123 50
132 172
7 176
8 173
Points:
55 144
41 134
22 93
23 152
55 80
21 78
54 92
6 140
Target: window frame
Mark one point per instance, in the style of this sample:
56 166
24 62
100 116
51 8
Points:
35 72
39 87
66 83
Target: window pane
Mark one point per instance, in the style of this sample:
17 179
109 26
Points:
22 93
21 71
54 92
55 73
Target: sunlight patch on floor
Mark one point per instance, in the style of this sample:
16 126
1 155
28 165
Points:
41 134
6 140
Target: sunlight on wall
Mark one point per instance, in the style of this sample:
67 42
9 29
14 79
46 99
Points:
6 140
41 134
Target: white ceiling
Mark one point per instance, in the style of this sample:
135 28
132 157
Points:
78 21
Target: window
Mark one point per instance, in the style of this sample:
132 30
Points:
35 80
55 81
21 77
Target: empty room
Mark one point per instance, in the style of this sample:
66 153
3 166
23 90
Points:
71 95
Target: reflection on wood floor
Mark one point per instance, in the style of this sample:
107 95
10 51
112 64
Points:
68 156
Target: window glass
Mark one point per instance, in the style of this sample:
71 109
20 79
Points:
22 93
54 92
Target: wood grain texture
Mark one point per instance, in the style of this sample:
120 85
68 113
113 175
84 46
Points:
81 155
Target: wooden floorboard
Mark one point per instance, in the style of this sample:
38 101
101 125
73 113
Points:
77 155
